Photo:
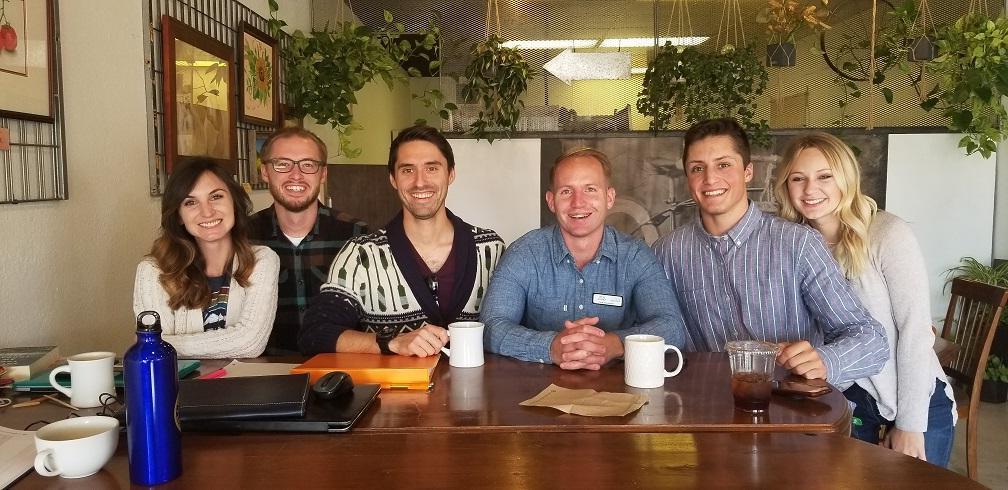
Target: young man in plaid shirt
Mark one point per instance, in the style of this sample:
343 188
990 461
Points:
301 230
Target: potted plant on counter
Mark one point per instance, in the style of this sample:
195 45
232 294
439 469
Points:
995 383
783 19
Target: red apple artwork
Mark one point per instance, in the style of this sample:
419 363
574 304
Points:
8 38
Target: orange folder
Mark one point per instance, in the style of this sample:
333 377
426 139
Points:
391 372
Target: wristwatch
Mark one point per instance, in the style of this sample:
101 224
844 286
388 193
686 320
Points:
383 337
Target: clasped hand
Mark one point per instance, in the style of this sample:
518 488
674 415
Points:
582 345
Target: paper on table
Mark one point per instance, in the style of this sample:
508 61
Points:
238 369
17 454
586 402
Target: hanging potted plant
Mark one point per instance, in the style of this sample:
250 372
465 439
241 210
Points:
783 18
972 75
994 388
324 70
920 42
704 85
495 79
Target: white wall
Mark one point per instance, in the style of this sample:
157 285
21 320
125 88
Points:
497 186
66 270
67 267
947 198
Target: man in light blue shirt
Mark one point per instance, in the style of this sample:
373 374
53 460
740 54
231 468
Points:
569 293
740 273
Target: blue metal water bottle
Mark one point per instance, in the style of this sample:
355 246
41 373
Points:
153 435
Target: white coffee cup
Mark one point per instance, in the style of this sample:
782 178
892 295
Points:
644 359
90 376
76 447
466 344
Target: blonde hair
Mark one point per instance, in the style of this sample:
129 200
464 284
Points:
855 209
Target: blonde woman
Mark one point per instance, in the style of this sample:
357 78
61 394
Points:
818 183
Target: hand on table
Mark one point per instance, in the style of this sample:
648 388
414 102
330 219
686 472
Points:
802 359
580 345
422 342
908 443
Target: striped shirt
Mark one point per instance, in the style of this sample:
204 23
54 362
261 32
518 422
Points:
773 280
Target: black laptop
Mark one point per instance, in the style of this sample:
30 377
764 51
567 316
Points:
337 415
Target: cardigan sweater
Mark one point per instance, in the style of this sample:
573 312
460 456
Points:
250 312
894 288
375 285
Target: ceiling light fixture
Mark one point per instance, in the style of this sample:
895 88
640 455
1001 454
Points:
647 42
551 43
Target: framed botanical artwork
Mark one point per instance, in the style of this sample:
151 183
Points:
27 80
258 71
256 141
199 84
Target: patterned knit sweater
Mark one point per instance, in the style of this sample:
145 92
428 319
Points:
375 285
249 318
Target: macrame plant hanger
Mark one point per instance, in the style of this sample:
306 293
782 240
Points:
730 24
680 15
979 7
493 12
871 66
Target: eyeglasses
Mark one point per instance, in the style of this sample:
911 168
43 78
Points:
284 165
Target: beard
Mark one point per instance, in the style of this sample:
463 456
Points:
293 205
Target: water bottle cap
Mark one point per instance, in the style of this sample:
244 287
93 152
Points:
148 321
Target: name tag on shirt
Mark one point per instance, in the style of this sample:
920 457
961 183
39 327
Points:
607 299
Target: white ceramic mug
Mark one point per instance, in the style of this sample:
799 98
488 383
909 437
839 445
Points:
644 359
90 376
76 447
466 344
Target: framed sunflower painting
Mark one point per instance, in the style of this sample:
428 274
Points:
259 75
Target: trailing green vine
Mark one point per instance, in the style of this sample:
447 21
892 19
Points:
704 86
325 69
972 72
495 79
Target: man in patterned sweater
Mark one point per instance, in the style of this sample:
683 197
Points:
395 291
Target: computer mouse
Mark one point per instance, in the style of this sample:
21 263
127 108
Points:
333 385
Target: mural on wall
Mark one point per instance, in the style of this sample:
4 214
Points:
651 192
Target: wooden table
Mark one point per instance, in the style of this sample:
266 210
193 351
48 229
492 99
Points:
697 400
469 432
529 460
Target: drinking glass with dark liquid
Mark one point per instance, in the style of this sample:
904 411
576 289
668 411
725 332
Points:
752 364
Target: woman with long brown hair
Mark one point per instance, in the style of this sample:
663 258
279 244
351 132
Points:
818 182
215 291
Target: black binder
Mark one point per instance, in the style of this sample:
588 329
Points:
253 397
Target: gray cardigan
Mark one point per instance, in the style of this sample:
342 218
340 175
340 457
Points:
894 289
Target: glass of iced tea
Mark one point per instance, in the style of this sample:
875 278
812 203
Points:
752 365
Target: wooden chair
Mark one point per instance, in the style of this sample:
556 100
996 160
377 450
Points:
973 315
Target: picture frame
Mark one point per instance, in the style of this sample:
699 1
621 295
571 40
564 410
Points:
199 99
27 75
256 139
259 73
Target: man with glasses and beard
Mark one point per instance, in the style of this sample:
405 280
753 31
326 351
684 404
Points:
301 230
397 290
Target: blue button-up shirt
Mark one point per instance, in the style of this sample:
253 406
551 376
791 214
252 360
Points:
773 280
537 286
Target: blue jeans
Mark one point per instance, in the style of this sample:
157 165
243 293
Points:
940 431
